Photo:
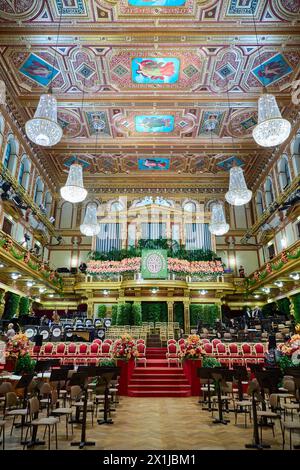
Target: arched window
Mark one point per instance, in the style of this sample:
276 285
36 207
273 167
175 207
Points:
284 172
295 149
190 206
10 154
48 203
66 215
24 172
39 189
269 195
116 206
259 203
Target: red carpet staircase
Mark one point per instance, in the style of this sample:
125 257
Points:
157 379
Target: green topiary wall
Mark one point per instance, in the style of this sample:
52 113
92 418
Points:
207 313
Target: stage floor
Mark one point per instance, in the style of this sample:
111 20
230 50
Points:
161 424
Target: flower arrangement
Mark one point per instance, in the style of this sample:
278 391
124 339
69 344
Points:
291 349
17 350
175 265
124 348
193 348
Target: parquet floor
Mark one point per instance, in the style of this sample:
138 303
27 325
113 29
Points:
160 424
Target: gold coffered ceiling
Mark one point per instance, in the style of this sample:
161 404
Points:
171 84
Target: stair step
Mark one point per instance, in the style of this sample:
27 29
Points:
160 387
180 381
158 393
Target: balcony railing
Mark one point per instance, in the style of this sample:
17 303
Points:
271 209
14 252
280 263
7 176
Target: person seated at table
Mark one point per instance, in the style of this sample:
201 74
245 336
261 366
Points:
10 331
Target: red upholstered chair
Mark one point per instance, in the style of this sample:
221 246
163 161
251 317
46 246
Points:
221 349
171 354
141 349
108 341
205 340
48 349
259 349
60 349
140 341
94 349
208 348
98 341
182 346
172 341
105 350
246 349
82 354
233 348
181 341
72 349
214 342
37 351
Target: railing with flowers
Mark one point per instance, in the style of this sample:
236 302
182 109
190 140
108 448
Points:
176 266
278 263
124 348
193 348
20 254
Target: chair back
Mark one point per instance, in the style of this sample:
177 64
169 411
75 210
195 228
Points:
172 349
259 348
215 341
181 341
172 341
233 348
246 348
60 349
45 389
34 406
72 348
140 341
94 349
98 341
75 392
205 340
108 341
105 348
141 348
221 349
83 348
5 387
48 348
11 399
208 348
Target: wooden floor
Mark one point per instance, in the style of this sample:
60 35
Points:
160 424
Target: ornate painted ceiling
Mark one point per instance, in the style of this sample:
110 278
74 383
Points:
152 90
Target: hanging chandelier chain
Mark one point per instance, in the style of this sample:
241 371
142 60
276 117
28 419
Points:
258 46
55 51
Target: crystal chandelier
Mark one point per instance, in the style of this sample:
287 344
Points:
90 225
43 129
74 191
272 129
218 225
238 193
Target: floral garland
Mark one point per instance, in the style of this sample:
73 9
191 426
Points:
193 348
7 245
174 266
124 348
271 267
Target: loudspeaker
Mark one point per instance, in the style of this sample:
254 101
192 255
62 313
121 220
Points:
38 340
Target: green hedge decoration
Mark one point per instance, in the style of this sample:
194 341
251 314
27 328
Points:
114 314
137 313
207 313
11 305
179 313
296 304
24 364
284 306
154 312
124 314
101 311
24 306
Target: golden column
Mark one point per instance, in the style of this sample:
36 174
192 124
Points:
90 304
170 304
187 326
